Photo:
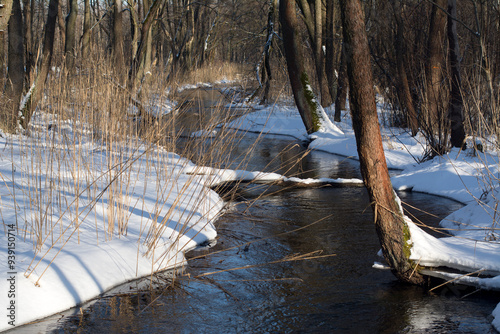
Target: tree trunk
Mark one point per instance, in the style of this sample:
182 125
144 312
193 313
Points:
15 74
319 56
434 69
389 221
330 47
312 16
48 49
5 12
403 88
70 43
267 75
307 104
137 72
134 29
28 12
118 52
87 25
455 109
342 86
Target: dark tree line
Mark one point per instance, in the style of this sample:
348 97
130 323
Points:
436 63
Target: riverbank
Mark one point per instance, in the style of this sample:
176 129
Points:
168 207
469 177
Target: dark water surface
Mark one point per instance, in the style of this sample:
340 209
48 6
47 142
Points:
341 293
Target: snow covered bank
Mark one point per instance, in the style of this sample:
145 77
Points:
470 177
79 219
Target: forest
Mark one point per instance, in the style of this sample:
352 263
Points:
436 63
98 119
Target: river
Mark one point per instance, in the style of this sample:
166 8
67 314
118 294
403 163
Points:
338 293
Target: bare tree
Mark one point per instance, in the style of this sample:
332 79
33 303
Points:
5 11
15 74
342 86
434 76
455 107
389 221
86 29
403 87
70 43
305 100
47 52
312 14
118 40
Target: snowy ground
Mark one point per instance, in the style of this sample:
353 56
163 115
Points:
95 236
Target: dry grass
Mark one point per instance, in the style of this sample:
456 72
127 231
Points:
83 151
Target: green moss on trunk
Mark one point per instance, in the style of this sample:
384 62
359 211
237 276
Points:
311 102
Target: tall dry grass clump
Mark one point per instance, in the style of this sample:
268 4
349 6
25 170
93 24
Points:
88 157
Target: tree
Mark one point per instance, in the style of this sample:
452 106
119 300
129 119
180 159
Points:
86 29
15 74
434 75
389 221
455 108
312 14
330 44
118 44
47 52
342 86
309 108
403 87
5 11
70 43
266 74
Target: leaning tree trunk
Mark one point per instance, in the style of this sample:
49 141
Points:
48 48
307 104
455 109
389 222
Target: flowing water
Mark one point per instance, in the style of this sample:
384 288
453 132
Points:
338 293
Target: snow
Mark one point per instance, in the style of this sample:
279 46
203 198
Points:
61 181
469 176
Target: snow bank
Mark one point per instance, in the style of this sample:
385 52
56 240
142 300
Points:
103 218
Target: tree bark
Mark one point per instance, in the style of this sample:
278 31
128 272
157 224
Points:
435 60
307 104
87 25
403 88
48 49
267 75
5 12
389 223
15 73
70 43
118 41
342 86
28 12
330 47
312 16
455 109
137 72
